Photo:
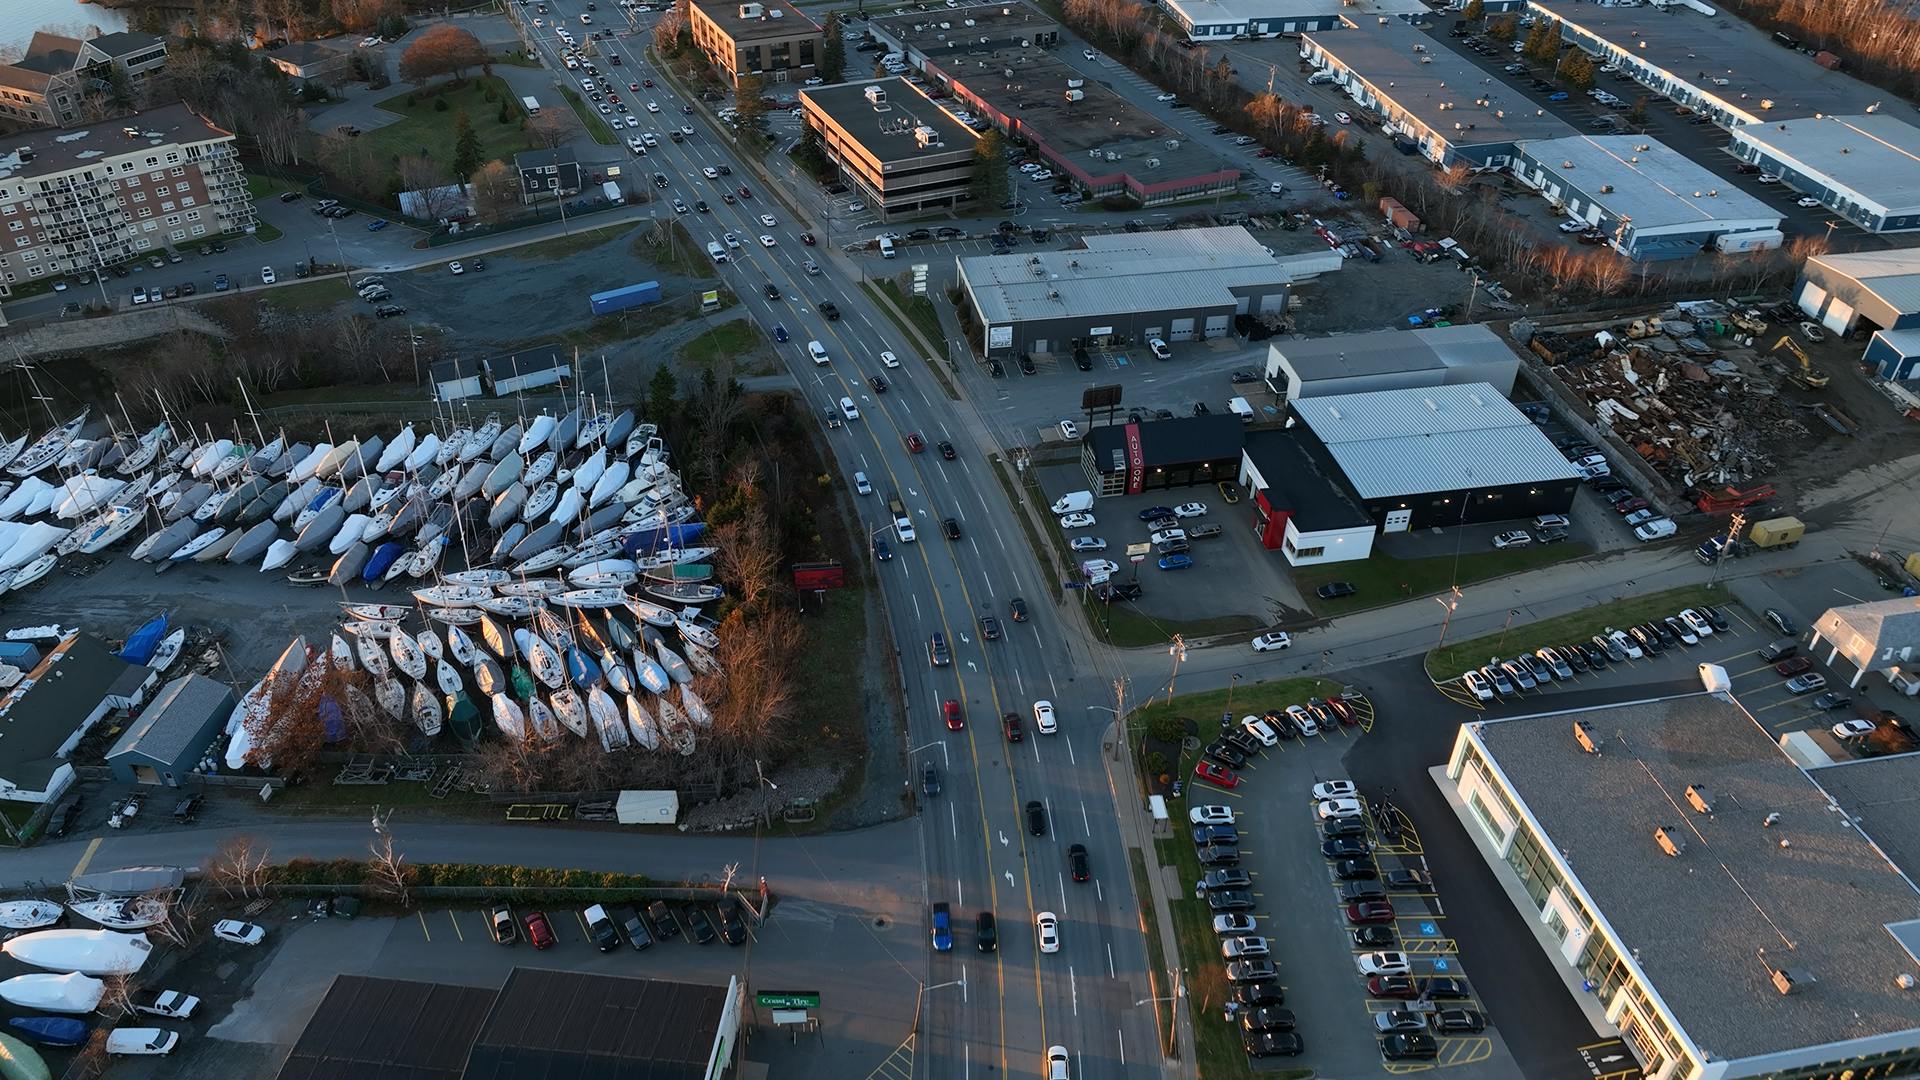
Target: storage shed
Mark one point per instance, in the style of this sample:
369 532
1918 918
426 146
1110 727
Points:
167 739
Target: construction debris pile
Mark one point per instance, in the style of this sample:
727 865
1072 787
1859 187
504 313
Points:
1699 418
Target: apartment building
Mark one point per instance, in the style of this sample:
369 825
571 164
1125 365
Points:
771 39
72 201
50 85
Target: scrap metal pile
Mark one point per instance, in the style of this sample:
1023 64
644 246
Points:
1696 417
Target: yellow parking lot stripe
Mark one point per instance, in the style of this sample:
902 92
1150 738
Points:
423 925
898 1065
1465 1050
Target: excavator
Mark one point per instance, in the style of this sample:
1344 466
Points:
1809 376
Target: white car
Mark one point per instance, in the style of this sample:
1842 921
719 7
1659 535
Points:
1164 97
1211 815
1043 718
1573 226
1081 520
634 144
732 240
1768 178
1516 538
710 172
142 1041
856 206
1048 927
369 42
861 485
1088 53
605 109
1069 429
1343 118
1477 685
887 359
1383 963
1807 201
633 121
1088 543
171 1004
1030 166
767 241
266 275
1303 721
1244 948
1335 789
240 933
1261 731
1812 332
1852 729
1624 641
1096 567
1057 1063
1190 510
848 410
1166 535
767 221
1331 809
456 268
1697 622
653 106
1159 349
1657 529
1273 642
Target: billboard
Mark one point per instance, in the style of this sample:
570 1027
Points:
820 575
1099 397
999 337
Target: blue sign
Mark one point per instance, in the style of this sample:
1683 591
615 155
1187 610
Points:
1073 584
1442 965
1429 929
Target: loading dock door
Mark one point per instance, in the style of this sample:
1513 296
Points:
1273 303
1839 313
1811 297
1398 521
1182 330
1217 325
1240 304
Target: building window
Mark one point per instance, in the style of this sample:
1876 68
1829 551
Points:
29 256
35 271
16 226
193 215
177 234
199 230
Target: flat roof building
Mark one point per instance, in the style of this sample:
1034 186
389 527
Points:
1177 285
76 684
918 36
1301 505
1437 456
117 191
1874 292
1719 66
769 38
1447 106
1687 876
1866 167
1390 360
1001 71
904 153
1651 202
1212 20
1153 455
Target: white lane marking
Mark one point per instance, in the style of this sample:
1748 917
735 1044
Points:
1110 971
1074 987
974 542
1084 822
1063 889
1123 1045
953 820
1050 816
1100 894
916 607
1036 749
960 894
1070 758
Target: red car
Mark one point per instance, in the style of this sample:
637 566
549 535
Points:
1630 506
1207 770
1796 665
1392 986
807 239
539 931
634 86
915 443
1370 911
745 194
1343 710
950 711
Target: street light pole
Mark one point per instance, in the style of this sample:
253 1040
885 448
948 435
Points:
1451 603
1511 612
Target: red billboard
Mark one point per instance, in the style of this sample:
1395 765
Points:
812 577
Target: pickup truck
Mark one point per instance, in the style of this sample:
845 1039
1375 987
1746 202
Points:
902 521
168 1003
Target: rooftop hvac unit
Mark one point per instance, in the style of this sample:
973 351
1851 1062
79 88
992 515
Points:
926 138
1792 980
1153 163
1583 734
876 95
1669 840
968 22
1699 799
1606 189
752 11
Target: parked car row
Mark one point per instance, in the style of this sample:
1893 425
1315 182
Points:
1266 1029
609 928
1499 678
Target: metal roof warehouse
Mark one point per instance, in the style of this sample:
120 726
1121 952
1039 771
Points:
1440 455
1866 167
1650 201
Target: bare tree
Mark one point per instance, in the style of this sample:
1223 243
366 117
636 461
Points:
495 192
438 196
549 128
392 877
239 866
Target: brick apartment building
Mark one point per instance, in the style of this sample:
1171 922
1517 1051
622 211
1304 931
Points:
118 191
49 86
771 39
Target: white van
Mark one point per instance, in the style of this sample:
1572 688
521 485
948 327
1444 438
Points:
142 1041
1074 502
886 248
716 252
818 352
1240 408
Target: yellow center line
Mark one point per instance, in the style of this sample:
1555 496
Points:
86 856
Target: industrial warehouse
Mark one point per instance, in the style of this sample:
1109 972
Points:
1865 168
1053 301
1683 874
1871 294
1390 360
1650 202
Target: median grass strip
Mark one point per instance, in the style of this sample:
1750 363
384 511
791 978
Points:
1160 974
919 309
590 119
913 334
1456 657
1382 580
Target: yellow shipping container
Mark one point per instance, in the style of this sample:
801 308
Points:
1777 532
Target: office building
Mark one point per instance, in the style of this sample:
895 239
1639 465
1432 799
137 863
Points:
898 149
769 38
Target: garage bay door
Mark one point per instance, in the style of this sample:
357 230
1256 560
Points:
1240 304
1182 330
1810 299
1839 313
1217 325
1273 303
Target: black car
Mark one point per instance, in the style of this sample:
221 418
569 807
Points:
1215 880
1218 855
826 308
878 384
665 925
1373 937
1026 364
290 196
1230 900
930 779
600 928
1407 879
1667 637
1077 863
659 180
1273 1044
1255 995
1343 826
1266 1018
1409 1046
388 311
1595 656
699 926
1082 360
1446 989
1713 616
989 628
1780 621
986 936
1019 608
701 205
1647 639
946 450
1215 834
1575 658
1778 651
1036 817
1226 754
1355 870
634 927
951 527
771 290
733 929
1346 847
1458 1021
1242 742
1334 590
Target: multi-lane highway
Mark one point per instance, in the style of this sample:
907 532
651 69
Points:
982 1012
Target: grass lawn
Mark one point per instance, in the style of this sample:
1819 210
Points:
1382 580
310 297
17 813
561 247
1218 1054
369 394
919 311
321 795
595 124
1126 626
266 233
672 249
1449 662
739 341
824 684
426 128
1157 968
260 187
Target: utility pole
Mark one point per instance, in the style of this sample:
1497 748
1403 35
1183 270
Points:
1177 650
1451 603
1734 524
1511 612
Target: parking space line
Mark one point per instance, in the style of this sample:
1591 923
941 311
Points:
454 921
423 925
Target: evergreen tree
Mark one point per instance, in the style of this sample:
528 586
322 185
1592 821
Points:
833 53
663 402
467 155
989 185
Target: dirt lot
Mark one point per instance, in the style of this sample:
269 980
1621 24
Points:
1364 295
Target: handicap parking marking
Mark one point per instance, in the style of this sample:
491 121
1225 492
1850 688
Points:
1453 690
1398 1067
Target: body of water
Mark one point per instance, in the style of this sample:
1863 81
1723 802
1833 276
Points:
20 18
